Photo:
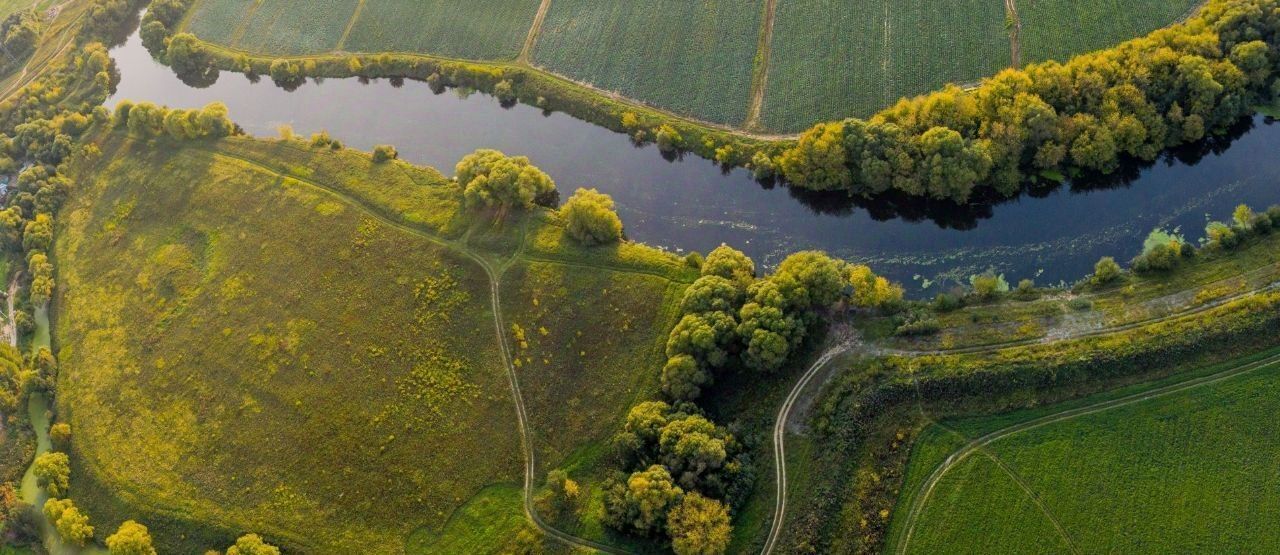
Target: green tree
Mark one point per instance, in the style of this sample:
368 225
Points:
1243 217
491 179
53 472
988 285
707 337
591 219
683 378
711 293
809 280
131 538
252 544
731 264
650 494
817 161
699 526
38 233
71 524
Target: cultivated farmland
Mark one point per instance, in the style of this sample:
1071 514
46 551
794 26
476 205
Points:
693 58
475 29
1059 29
278 26
250 352
1188 471
837 59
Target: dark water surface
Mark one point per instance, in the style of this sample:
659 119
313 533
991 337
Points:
692 205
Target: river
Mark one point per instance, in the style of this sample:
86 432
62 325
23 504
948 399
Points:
691 204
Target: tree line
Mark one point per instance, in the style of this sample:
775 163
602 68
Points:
1175 86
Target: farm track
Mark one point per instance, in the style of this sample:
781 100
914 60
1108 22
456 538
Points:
760 80
494 276
535 29
351 23
1015 32
979 444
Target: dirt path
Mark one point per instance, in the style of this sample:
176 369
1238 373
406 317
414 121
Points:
780 443
1015 32
977 445
534 30
760 72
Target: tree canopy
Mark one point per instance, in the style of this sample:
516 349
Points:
130 539
591 218
491 179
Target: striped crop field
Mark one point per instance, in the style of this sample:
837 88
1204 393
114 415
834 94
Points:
838 58
692 57
1059 29
474 29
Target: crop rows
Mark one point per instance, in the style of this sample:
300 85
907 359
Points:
689 57
1193 470
1059 29
837 59
474 29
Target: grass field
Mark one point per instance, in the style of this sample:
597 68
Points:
832 60
1190 471
255 353
278 26
690 57
1059 29
10 6
475 29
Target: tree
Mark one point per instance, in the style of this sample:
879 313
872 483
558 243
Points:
491 179
809 280
591 218
817 161
1105 271
699 526
668 139
731 264
683 378
644 502
252 544
130 539
564 491
706 337
38 233
71 524
711 293
41 278
53 472
692 447
870 290
1243 217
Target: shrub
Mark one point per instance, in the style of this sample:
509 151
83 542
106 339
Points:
1105 271
491 179
384 153
591 218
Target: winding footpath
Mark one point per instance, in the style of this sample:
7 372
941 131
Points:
979 444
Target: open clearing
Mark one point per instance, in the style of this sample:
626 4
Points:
821 59
1189 470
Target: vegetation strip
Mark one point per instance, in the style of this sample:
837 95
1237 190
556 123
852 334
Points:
976 445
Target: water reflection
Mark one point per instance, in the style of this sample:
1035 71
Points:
1051 232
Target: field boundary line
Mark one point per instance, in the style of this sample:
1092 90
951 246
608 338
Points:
760 70
1034 497
976 445
535 29
351 23
1015 32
